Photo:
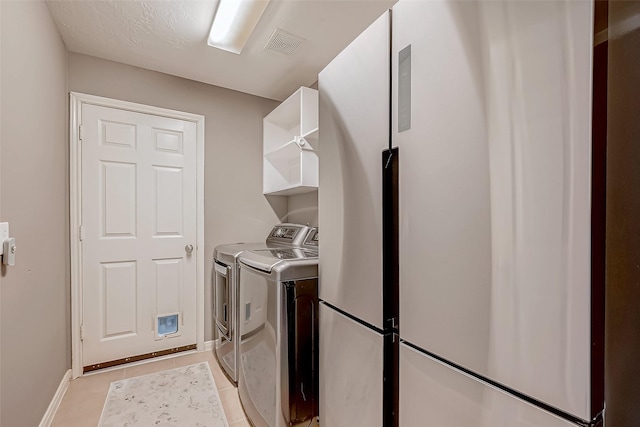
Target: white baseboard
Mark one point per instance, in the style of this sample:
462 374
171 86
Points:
208 345
47 419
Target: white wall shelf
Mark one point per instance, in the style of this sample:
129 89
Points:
290 164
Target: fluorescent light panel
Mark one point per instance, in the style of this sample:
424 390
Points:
234 22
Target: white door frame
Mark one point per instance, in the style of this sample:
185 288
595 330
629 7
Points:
76 101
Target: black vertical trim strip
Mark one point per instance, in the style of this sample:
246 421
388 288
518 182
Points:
390 247
598 225
391 376
391 265
390 287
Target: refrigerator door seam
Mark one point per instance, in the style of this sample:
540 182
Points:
355 319
515 393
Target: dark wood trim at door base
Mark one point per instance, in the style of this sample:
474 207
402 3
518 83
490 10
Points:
137 358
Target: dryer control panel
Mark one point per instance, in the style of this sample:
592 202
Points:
288 234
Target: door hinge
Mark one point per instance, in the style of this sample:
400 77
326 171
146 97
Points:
82 332
81 132
81 233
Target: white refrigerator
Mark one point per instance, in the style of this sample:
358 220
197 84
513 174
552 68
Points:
500 317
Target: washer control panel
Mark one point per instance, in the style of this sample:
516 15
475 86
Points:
285 232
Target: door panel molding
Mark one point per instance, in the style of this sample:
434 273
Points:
166 143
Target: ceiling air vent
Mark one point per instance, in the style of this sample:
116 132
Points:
283 42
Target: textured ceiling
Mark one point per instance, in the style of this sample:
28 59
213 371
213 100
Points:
171 37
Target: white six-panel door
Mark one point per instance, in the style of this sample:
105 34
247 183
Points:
138 220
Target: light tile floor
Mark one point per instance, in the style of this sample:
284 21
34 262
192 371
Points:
82 403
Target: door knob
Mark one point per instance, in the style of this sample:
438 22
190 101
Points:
188 248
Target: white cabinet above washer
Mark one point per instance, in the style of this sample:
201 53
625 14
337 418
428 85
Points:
290 136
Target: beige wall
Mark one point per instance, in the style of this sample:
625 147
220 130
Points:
35 339
0 211
36 72
303 208
235 209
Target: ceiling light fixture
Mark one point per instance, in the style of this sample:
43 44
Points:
234 22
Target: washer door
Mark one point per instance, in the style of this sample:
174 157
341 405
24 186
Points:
221 306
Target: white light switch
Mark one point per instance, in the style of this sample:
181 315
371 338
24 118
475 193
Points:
9 256
7 245
4 235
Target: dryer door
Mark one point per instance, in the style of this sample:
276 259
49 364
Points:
299 351
257 385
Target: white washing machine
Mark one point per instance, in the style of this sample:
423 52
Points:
225 290
278 374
